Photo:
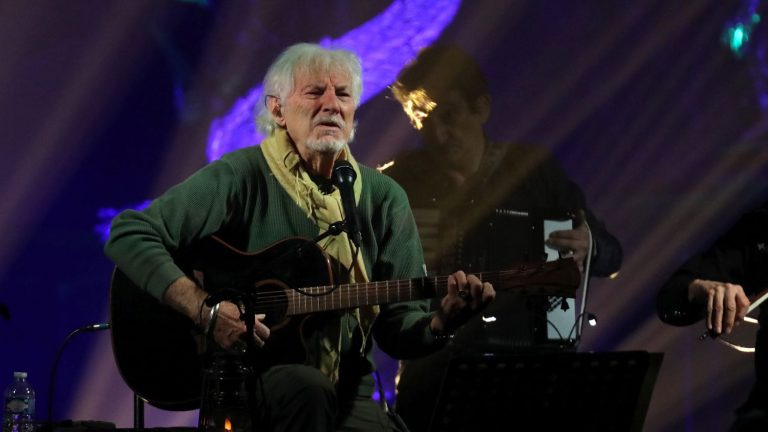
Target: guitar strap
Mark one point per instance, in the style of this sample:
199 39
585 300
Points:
323 209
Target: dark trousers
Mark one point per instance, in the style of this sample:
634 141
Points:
298 398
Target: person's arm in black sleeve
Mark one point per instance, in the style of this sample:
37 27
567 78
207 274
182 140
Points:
714 283
607 253
672 304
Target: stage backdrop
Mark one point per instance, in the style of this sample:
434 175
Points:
652 106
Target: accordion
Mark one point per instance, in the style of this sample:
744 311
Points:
500 239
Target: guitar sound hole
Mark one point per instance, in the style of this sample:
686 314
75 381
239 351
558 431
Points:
270 299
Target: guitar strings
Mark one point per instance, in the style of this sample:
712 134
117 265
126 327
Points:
295 298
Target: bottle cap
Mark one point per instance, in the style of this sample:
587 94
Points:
19 374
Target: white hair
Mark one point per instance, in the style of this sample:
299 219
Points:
304 57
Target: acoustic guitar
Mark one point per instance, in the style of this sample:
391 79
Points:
158 350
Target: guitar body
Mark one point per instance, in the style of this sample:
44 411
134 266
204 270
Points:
158 351
160 354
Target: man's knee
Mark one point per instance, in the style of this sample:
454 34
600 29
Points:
291 384
297 398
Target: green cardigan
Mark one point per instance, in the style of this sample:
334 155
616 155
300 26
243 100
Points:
239 200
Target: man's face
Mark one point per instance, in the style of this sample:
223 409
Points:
454 128
319 113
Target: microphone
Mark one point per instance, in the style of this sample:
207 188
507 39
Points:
344 177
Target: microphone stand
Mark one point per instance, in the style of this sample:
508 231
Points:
48 425
335 228
241 366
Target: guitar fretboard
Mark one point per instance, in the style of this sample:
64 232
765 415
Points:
552 279
347 296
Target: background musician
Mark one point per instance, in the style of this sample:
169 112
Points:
461 183
715 285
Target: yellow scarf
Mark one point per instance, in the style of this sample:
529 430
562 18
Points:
324 209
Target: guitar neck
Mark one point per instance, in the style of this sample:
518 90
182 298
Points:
348 296
554 278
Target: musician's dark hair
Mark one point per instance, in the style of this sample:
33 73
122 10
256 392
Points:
442 67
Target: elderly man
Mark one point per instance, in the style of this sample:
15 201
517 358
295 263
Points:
254 197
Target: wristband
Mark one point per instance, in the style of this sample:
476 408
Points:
209 327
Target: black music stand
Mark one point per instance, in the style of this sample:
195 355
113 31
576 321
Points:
606 391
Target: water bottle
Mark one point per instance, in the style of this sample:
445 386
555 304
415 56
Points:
19 408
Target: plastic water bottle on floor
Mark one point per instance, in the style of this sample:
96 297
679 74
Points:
19 407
